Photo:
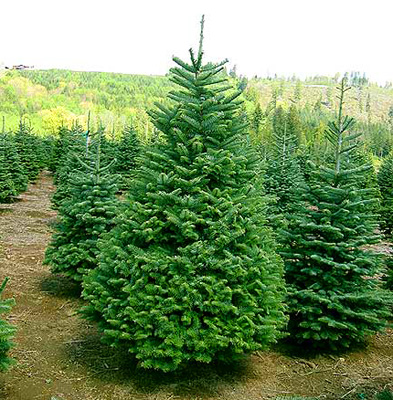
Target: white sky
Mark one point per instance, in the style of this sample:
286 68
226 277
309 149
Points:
302 37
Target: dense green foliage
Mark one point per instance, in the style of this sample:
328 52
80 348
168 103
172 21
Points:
334 296
53 98
284 178
385 181
6 330
186 269
190 270
127 152
29 147
7 187
389 272
70 145
22 156
85 216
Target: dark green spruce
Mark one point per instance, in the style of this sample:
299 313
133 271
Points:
190 271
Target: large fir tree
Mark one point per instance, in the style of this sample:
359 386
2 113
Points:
190 270
335 299
85 216
6 330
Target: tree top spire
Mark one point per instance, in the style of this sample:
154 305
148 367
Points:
200 50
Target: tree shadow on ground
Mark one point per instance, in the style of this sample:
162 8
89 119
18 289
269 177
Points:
108 365
60 286
289 348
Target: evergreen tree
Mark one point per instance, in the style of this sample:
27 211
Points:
283 177
45 148
27 145
60 150
257 118
72 145
15 167
334 297
84 217
388 277
6 330
385 181
369 180
7 188
126 156
190 271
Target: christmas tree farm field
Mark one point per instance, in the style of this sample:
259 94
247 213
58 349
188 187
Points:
60 356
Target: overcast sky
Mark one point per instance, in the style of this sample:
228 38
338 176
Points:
302 37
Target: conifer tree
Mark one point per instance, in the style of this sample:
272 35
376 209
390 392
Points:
72 145
61 148
190 273
389 273
257 118
84 217
15 167
6 330
283 177
127 153
7 188
385 182
334 297
27 148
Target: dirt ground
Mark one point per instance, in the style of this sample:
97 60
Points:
60 357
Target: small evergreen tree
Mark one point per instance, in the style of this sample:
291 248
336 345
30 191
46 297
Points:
126 155
257 118
190 273
84 217
15 167
335 299
27 145
283 177
385 182
7 188
6 330
72 145
61 148
389 272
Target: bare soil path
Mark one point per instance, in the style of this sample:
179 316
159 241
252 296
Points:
60 357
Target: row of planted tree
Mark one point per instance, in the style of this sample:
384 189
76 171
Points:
221 247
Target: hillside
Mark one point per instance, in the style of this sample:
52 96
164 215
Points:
49 98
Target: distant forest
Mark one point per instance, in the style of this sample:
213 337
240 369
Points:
48 99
